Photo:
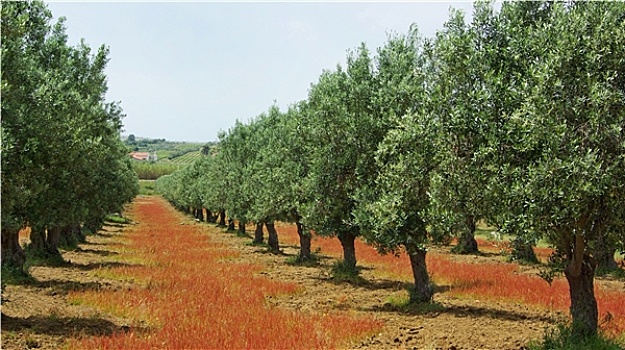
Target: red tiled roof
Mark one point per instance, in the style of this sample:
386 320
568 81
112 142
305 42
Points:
140 155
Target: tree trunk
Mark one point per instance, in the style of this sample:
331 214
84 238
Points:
230 224
522 250
12 252
580 274
304 243
583 303
349 250
200 214
93 224
53 240
422 288
258 233
272 239
241 227
209 217
80 236
67 236
222 218
466 242
38 239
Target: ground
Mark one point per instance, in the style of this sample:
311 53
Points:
39 315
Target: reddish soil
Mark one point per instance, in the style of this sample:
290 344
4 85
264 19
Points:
39 315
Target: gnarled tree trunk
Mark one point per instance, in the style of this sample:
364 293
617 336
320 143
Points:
200 214
230 224
210 217
93 224
38 242
272 239
12 252
258 233
580 274
522 250
466 242
241 227
349 250
304 242
71 235
222 218
422 288
53 240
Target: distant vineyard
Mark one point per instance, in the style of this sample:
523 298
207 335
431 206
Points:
186 158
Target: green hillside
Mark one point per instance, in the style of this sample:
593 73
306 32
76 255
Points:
171 155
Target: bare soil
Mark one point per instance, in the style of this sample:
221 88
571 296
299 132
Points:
39 315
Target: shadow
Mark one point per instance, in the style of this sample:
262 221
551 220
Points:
263 248
292 246
99 265
113 224
88 242
95 251
386 285
108 235
64 287
488 254
471 311
65 326
243 235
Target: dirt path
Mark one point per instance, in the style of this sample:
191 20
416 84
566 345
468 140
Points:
39 315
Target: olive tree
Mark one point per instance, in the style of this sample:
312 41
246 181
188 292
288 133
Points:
395 210
343 132
60 141
563 147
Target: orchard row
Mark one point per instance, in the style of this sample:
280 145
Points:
516 119
64 167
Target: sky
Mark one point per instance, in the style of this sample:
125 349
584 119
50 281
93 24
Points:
183 71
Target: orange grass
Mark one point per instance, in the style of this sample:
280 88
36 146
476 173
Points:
488 281
195 297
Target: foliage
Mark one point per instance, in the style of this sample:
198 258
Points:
147 187
15 276
152 171
62 159
515 118
565 142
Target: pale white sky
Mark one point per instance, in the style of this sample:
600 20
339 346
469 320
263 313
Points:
185 70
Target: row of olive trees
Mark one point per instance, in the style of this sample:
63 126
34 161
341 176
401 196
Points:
516 118
63 164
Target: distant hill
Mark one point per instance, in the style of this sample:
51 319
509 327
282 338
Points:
176 152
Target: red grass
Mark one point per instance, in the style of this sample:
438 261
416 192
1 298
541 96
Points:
493 281
196 297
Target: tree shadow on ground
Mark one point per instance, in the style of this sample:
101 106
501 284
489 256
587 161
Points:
85 267
95 251
66 327
360 282
108 234
63 287
100 265
113 224
472 311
